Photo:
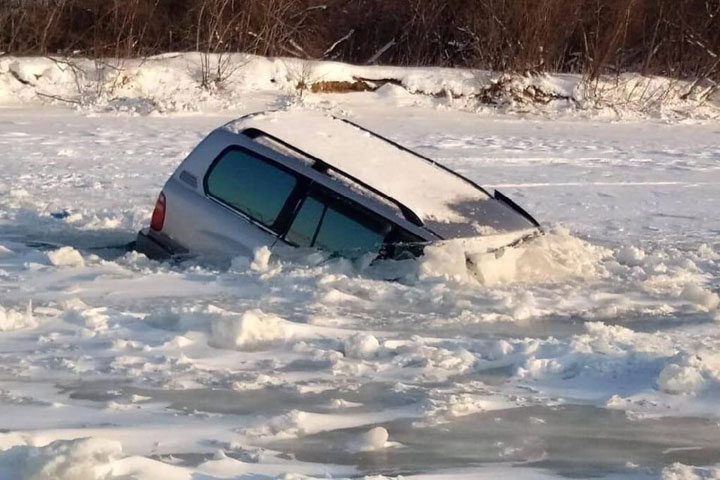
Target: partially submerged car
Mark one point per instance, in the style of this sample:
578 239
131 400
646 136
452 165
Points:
289 179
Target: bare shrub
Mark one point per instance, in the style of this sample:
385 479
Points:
215 23
676 38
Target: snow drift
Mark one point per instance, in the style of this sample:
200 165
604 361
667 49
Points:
171 82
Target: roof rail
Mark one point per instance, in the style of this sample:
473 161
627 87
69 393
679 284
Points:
322 166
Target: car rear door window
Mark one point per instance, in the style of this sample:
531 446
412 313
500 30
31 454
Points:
304 226
337 225
250 184
349 235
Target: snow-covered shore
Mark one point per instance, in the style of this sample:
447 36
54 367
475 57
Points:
174 83
594 352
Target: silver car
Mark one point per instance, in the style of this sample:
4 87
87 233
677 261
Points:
289 179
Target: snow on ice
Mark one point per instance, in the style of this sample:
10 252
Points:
593 351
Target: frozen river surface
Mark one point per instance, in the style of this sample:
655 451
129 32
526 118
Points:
595 352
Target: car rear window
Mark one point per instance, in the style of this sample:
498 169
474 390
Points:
250 184
336 225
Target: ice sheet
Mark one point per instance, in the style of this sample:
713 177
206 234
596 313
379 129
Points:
604 330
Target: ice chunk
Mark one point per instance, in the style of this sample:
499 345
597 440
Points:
14 320
553 257
700 296
252 330
630 256
374 439
79 459
499 349
261 260
678 471
680 380
706 252
66 257
445 260
361 346
289 425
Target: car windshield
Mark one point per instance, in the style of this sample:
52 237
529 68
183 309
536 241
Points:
487 216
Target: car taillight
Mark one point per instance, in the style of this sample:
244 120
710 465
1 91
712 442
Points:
158 216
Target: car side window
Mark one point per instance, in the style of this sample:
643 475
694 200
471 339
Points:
250 184
304 226
338 226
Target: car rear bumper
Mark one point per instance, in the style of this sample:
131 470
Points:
156 245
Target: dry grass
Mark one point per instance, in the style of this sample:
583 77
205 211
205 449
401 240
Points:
341 87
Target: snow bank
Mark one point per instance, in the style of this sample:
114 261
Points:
80 459
251 330
171 82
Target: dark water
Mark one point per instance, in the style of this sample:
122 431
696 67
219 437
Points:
573 441
576 441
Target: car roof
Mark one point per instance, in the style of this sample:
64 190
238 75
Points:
435 194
